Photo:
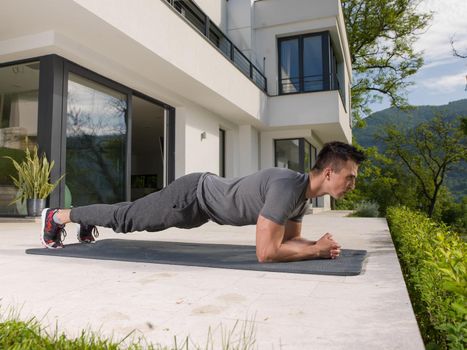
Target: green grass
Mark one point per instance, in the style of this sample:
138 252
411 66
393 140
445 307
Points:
29 335
16 334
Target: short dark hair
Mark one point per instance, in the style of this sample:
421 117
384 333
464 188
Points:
335 154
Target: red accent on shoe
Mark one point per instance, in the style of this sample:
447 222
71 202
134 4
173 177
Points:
49 220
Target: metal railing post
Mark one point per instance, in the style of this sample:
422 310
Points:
206 27
232 48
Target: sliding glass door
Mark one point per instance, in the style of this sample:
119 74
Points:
19 90
96 134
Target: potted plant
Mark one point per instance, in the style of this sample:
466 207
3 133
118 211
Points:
33 181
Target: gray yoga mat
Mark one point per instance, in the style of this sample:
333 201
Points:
226 256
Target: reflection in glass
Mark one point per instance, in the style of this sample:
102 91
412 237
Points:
313 64
287 154
19 86
96 142
295 154
290 75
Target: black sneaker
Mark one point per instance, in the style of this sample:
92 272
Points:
87 233
52 234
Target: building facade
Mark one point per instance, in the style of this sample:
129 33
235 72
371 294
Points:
125 96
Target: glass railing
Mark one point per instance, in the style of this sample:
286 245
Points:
199 20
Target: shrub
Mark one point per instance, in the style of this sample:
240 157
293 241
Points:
366 209
434 262
6 166
33 175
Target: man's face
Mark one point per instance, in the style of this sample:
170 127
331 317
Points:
342 181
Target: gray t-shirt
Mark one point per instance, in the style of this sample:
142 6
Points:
275 193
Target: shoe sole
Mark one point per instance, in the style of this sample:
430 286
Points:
43 217
78 236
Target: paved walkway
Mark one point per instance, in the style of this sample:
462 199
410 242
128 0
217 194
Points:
289 311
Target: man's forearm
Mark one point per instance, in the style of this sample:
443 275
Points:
304 240
294 250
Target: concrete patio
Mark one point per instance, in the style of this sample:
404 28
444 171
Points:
289 311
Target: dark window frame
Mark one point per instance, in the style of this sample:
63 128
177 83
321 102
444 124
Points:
222 134
326 58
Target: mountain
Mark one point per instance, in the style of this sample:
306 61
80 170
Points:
406 119
456 179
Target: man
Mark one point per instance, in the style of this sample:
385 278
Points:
274 199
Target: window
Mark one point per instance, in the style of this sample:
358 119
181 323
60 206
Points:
289 72
19 91
294 154
306 63
313 71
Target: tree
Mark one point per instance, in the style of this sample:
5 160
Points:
456 52
427 152
382 180
381 34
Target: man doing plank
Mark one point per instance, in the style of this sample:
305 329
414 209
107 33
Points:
274 199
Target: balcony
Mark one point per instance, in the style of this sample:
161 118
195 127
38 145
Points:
201 22
322 111
312 83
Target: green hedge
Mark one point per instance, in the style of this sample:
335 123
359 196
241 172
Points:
434 262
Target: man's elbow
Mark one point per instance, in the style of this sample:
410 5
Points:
265 256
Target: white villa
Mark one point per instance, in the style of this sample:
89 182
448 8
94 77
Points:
125 96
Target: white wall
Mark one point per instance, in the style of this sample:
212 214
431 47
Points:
277 12
239 25
196 154
299 109
248 150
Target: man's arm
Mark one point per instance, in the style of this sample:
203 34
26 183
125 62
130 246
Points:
293 230
276 243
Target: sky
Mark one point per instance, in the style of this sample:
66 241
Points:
443 77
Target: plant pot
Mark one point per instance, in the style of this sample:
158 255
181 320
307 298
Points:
35 206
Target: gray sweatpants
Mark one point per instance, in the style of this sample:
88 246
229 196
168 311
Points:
174 206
